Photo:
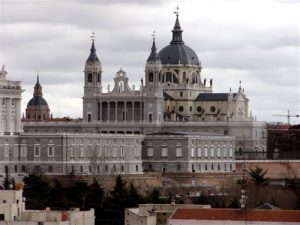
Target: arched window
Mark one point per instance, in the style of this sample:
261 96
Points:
151 77
90 77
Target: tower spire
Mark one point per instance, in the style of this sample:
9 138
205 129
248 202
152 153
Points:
153 55
177 31
93 56
38 86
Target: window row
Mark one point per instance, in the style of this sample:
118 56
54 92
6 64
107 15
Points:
103 151
195 152
5 102
21 151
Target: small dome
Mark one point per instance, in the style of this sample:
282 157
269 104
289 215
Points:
37 101
178 53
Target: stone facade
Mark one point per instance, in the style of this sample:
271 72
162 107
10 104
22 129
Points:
10 105
78 154
175 152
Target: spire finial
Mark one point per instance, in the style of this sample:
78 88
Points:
37 77
153 34
240 87
177 11
93 36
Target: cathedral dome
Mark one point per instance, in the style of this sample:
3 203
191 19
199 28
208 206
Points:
37 101
177 52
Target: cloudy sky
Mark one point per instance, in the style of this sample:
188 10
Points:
255 41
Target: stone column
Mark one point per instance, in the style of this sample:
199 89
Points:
100 111
8 116
18 115
132 119
108 110
116 111
141 113
125 110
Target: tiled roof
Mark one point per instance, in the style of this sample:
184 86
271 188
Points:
238 215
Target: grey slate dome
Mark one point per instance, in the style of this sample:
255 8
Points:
177 52
37 101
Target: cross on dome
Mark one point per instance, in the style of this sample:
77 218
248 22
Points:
177 11
153 34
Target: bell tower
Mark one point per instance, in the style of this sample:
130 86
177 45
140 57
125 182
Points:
92 72
153 92
92 84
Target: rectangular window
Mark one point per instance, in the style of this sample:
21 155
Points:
50 169
179 151
224 152
178 167
164 151
99 151
16 150
37 150
16 169
150 117
212 151
114 152
150 151
192 152
23 169
199 152
72 151
106 151
122 152
6 150
136 168
89 117
219 152
51 150
205 152
81 154
230 152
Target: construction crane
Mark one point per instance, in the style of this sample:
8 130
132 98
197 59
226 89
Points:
288 115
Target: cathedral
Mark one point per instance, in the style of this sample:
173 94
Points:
174 122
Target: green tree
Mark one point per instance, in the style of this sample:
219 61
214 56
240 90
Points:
134 198
36 191
259 179
153 196
115 203
258 176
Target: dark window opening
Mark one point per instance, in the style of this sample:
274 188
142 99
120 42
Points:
90 78
151 77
